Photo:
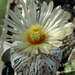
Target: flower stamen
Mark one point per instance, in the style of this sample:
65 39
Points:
35 34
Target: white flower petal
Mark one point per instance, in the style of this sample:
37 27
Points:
14 17
68 28
7 36
43 49
12 30
14 25
20 15
34 51
55 19
61 20
32 12
47 15
18 38
26 14
20 47
56 30
29 49
56 43
43 11
48 45
58 35
53 13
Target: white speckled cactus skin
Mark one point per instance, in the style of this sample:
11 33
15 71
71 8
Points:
41 64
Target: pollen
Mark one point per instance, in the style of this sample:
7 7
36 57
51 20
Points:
36 34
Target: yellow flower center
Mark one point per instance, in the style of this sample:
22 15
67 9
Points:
36 34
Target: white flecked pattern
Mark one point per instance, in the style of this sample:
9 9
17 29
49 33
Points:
41 64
